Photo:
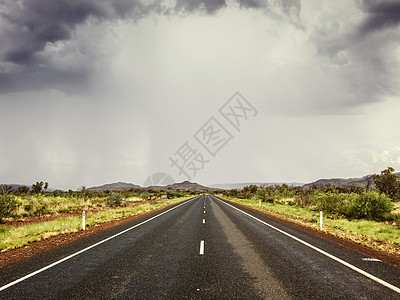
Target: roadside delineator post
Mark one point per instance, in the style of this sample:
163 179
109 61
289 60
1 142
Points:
260 202
320 220
83 220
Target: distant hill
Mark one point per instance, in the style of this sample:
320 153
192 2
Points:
13 187
118 186
184 186
342 182
230 186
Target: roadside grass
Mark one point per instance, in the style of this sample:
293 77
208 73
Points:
377 235
14 237
42 204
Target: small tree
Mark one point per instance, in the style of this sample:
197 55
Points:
7 205
37 187
369 181
388 183
83 192
262 194
4 188
23 189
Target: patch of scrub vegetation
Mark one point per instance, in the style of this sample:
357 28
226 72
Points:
366 215
44 213
375 234
13 237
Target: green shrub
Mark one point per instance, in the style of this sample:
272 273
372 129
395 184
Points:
7 205
270 199
334 203
304 198
147 196
115 199
170 194
28 207
370 205
41 209
392 217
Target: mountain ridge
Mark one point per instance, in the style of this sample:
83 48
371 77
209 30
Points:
116 186
346 182
240 185
193 186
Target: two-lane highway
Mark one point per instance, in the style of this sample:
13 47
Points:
203 248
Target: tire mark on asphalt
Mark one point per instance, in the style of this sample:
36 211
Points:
265 282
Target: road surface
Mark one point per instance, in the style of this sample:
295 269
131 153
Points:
203 248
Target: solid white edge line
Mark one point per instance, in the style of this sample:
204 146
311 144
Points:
201 247
88 248
384 283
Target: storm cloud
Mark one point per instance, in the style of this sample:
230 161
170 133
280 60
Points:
40 47
381 15
367 61
44 46
31 25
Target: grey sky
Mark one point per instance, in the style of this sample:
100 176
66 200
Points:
100 91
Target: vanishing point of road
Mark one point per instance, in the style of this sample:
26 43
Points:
203 248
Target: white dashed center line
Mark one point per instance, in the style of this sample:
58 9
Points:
201 247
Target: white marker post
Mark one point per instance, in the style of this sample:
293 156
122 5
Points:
320 219
260 202
83 220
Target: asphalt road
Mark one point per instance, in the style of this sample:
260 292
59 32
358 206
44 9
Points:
201 249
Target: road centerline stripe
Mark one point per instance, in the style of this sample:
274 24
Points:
88 248
370 276
201 247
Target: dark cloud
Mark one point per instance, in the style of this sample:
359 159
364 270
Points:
30 30
209 6
285 5
33 79
381 15
287 8
366 61
251 3
36 23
